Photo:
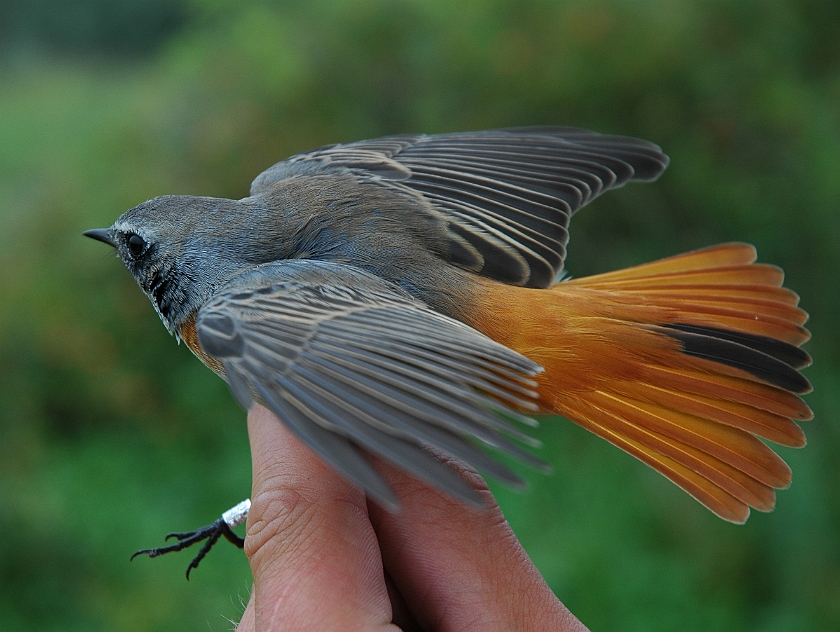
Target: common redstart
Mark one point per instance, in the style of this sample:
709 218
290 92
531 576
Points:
393 295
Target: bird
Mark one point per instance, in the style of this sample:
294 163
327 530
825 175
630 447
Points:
407 295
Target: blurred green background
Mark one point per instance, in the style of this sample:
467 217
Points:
111 435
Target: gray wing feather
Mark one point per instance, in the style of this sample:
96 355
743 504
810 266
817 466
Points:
506 195
353 365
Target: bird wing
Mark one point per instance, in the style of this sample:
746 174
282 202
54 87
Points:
506 195
348 361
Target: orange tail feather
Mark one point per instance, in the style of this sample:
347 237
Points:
681 362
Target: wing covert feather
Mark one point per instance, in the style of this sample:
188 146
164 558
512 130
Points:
349 367
508 193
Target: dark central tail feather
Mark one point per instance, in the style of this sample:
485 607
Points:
745 352
682 362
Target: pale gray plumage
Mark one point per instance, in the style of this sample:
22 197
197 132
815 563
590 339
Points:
357 362
343 292
506 195
332 293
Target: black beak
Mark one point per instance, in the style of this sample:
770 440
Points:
101 234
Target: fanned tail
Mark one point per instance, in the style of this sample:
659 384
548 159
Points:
682 363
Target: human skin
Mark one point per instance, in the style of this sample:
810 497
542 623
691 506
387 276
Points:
324 558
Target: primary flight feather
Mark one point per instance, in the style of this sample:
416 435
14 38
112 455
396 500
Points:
391 295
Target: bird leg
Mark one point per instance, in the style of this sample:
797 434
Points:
211 533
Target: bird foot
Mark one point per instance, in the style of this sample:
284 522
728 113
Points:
211 533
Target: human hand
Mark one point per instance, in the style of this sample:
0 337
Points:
324 558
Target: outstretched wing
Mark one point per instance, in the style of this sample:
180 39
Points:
506 195
346 367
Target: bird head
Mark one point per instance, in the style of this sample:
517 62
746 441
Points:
180 250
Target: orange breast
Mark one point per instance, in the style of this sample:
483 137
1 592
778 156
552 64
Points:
190 337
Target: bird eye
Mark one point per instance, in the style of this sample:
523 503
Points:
136 245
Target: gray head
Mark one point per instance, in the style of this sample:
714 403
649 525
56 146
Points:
181 249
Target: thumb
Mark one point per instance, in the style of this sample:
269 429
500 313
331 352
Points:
308 536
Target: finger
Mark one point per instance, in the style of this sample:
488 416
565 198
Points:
460 568
313 553
247 623
402 615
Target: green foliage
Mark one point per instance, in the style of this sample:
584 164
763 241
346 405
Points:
111 435
84 27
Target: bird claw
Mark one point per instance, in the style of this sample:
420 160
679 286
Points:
211 533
